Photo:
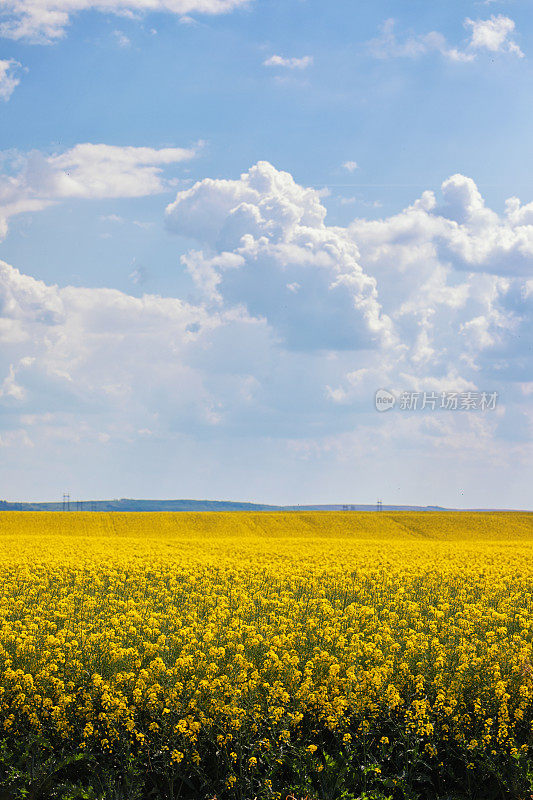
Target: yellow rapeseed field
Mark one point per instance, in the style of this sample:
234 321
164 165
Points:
221 645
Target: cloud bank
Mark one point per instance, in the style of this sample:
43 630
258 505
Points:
295 325
45 21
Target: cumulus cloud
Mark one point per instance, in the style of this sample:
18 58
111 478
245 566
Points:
494 35
477 238
350 166
45 21
463 231
78 363
92 171
295 325
9 77
422 299
289 63
452 277
265 233
105 352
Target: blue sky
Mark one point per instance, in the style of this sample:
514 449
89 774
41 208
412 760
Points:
225 225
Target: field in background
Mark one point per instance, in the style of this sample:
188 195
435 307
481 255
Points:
246 655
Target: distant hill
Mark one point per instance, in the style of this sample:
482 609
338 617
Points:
128 504
352 507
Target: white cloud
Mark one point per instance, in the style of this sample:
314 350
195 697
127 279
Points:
494 35
268 233
98 347
427 295
295 325
45 21
121 39
387 45
350 166
92 171
10 388
477 238
463 231
289 63
100 170
9 77
84 362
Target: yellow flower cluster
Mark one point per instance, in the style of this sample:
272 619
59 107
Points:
249 631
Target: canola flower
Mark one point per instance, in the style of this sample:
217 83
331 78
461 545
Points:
217 645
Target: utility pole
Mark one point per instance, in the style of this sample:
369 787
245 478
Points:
379 506
66 501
